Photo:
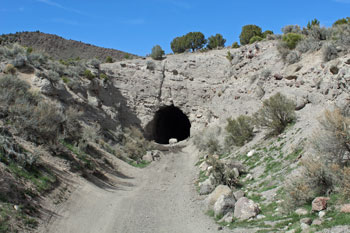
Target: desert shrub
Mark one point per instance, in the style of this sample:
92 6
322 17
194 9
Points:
283 50
341 35
222 174
103 76
178 45
19 61
36 59
95 63
229 56
249 31
292 39
29 50
276 113
235 45
308 44
10 69
109 59
342 21
319 33
265 73
333 138
157 52
88 74
216 41
266 33
53 76
293 57
57 67
150 65
255 39
291 29
239 131
135 145
207 140
329 52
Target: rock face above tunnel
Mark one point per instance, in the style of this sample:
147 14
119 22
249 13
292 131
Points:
208 88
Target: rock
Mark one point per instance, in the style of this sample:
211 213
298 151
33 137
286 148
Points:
207 186
291 231
216 156
238 194
345 208
317 222
250 153
214 196
248 177
307 221
245 209
334 70
224 204
227 218
301 211
259 92
304 226
321 214
235 172
148 156
204 166
319 203
172 140
260 216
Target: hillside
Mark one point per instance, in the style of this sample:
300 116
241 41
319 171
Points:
60 48
84 145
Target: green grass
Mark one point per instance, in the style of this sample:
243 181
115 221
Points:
294 155
141 164
42 179
87 162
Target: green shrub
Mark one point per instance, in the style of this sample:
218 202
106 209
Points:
65 79
292 39
342 21
103 76
277 112
229 56
255 39
135 145
249 31
157 53
235 45
192 40
266 33
88 74
29 50
239 130
109 59
313 23
216 41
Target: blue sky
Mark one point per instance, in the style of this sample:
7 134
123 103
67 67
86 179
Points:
135 26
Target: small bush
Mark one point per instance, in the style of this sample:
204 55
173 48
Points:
157 53
235 45
313 23
292 39
255 39
20 60
291 29
229 56
109 59
10 69
342 21
308 44
283 50
135 145
95 63
292 57
216 41
150 65
249 31
29 50
277 112
329 52
103 76
222 174
53 76
239 131
333 138
88 74
266 33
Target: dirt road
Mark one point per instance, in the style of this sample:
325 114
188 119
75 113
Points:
162 200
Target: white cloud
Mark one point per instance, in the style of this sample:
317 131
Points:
57 5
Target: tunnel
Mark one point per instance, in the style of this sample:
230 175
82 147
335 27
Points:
168 122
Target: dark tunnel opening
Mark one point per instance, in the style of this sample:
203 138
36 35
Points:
169 122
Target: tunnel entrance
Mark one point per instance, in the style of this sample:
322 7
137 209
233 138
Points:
168 122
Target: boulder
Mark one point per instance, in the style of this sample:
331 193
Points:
246 209
301 211
238 194
172 140
319 203
207 186
214 196
307 221
224 204
148 156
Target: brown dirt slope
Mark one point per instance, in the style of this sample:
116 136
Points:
60 48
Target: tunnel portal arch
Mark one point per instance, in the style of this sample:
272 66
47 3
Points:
168 122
